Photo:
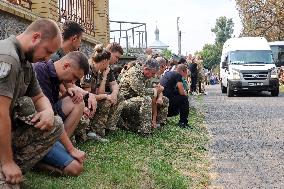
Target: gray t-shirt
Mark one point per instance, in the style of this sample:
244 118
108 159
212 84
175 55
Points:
17 77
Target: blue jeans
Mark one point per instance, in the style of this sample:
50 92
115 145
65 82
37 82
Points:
58 156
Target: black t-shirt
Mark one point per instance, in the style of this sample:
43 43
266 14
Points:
110 78
193 69
93 80
48 80
169 81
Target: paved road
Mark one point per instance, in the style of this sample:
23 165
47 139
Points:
247 145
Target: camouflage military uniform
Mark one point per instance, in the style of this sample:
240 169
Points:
162 108
137 108
107 115
27 139
80 131
30 144
17 81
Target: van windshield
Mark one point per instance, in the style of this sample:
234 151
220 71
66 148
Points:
251 57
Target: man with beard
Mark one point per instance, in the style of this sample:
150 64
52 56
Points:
28 128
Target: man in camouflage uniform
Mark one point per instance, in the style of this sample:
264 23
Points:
200 76
138 95
28 127
161 104
112 86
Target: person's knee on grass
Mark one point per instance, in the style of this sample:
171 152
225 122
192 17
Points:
75 168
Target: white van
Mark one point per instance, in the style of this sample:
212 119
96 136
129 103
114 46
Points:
277 48
247 65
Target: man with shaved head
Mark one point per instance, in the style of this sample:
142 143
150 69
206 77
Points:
28 127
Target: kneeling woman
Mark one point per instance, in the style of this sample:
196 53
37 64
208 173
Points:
107 113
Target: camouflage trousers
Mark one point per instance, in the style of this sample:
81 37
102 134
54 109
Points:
80 132
106 116
163 111
137 114
29 144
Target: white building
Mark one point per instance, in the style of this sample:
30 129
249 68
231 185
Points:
158 45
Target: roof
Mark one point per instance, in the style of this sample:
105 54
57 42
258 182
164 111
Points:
157 44
246 43
276 43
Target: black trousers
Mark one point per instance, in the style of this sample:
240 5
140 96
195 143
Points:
179 105
193 84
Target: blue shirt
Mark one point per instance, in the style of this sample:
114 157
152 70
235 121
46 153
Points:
48 80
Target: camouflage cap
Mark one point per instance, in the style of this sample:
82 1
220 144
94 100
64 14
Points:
161 61
152 64
175 58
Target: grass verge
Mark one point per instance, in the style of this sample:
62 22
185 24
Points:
169 158
281 88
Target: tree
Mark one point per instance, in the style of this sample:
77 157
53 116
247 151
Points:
211 53
167 53
223 29
262 18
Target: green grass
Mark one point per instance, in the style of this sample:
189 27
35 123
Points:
169 158
281 88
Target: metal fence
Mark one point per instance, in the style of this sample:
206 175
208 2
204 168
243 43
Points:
80 11
131 35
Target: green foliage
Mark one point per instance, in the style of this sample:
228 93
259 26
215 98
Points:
169 158
167 53
281 88
211 53
223 29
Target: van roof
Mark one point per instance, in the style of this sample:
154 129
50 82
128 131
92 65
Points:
246 43
276 43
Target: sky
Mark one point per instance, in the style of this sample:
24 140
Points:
197 17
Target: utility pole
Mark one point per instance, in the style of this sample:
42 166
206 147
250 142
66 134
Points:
179 36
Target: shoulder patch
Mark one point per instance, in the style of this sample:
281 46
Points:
5 69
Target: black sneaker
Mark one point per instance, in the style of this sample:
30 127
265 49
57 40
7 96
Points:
184 125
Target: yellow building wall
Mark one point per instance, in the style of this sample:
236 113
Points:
49 9
102 21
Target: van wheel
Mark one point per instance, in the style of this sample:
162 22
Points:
275 92
223 88
230 92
